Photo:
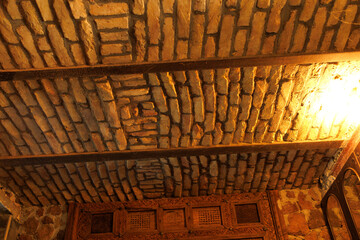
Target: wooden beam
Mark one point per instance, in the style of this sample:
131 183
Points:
183 65
348 147
161 153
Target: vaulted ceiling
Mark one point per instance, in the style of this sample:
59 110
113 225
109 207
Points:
150 111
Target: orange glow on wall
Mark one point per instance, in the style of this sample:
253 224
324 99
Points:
338 99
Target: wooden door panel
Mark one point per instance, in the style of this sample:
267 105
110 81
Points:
241 216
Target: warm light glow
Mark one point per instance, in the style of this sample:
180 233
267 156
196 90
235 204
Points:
341 98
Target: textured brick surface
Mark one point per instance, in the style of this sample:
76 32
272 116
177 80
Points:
166 110
212 107
164 30
170 177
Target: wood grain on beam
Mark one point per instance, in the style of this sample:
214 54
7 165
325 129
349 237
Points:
160 153
183 65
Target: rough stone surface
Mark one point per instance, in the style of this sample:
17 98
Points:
225 34
58 45
140 40
196 36
5 29
19 56
168 47
32 17
168 5
299 38
307 11
86 34
303 223
77 9
65 20
5 59
345 28
317 28
28 43
112 23
274 21
336 12
183 16
153 16
214 14
44 10
12 9
43 222
246 12
138 7
108 9
256 33
285 38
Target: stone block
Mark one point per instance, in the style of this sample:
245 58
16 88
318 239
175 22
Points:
153 21
65 20
110 8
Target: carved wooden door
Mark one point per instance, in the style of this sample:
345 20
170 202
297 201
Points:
241 216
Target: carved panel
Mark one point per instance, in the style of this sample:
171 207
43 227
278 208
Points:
84 225
140 221
238 216
174 219
207 216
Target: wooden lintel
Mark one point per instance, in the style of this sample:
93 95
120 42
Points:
182 65
161 153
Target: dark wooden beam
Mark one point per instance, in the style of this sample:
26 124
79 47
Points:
160 153
183 65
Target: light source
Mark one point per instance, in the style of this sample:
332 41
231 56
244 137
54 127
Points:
334 102
341 97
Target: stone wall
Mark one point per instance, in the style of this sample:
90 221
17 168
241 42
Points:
303 216
43 223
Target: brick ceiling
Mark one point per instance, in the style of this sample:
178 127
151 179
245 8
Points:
166 177
180 109
54 33
168 109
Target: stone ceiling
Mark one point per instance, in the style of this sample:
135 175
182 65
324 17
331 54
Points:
168 109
